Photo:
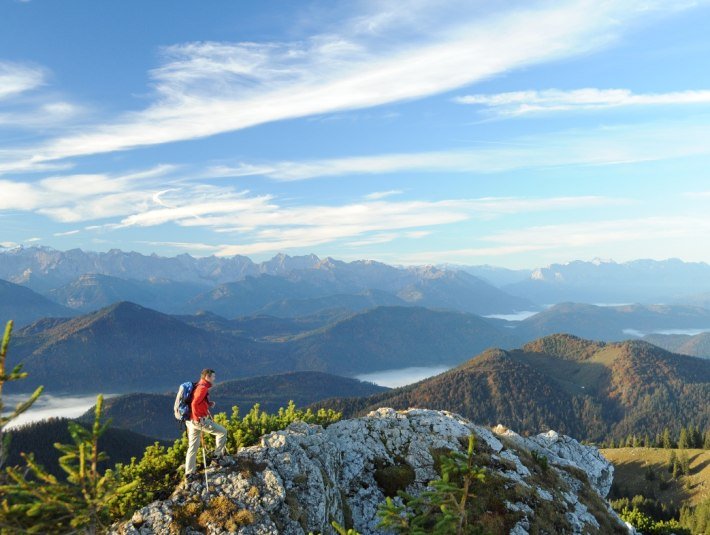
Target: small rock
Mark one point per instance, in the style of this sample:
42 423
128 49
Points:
137 519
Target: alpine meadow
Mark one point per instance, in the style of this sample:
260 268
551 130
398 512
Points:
354 268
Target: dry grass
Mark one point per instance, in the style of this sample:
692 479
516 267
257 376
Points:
224 513
632 464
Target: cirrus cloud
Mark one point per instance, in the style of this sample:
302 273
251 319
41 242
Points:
519 103
207 88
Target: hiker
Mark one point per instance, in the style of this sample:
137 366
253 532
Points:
201 422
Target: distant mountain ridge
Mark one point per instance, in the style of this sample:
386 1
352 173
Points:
695 345
25 306
93 291
237 286
126 347
606 281
611 323
313 291
599 281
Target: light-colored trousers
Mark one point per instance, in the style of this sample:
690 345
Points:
205 425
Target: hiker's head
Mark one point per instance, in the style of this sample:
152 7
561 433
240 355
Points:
208 374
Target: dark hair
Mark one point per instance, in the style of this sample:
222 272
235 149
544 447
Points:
206 372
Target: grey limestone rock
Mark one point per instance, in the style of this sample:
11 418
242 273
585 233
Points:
300 479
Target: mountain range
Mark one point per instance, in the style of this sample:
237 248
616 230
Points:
283 286
126 347
123 348
696 346
92 291
288 286
606 281
611 323
592 390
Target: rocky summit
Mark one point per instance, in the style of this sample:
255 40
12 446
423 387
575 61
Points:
301 479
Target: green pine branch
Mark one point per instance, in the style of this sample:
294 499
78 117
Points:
15 375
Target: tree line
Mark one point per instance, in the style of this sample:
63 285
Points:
689 437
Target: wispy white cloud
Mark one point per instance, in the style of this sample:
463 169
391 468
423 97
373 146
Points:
386 237
67 233
187 246
261 224
44 115
417 234
7 244
207 88
32 240
10 164
23 107
601 146
248 223
82 197
16 78
382 194
641 235
554 100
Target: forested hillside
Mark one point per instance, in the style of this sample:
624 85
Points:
587 389
25 306
39 438
128 348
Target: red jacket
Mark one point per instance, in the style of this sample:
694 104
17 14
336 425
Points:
200 406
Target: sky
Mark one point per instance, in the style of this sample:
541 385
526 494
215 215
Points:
515 134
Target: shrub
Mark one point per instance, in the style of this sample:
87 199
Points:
443 508
37 502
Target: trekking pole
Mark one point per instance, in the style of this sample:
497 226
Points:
204 460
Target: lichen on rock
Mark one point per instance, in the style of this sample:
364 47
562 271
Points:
300 479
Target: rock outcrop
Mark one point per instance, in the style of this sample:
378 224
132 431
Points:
301 479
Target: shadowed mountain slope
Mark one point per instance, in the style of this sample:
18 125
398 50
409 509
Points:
396 337
92 292
289 308
356 286
127 347
262 327
611 322
40 437
696 346
25 306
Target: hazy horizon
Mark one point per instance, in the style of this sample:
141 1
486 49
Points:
264 258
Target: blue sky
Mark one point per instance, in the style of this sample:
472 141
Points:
509 133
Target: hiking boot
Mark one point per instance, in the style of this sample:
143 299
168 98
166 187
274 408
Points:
220 461
192 478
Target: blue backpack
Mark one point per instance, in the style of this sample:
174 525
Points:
181 408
